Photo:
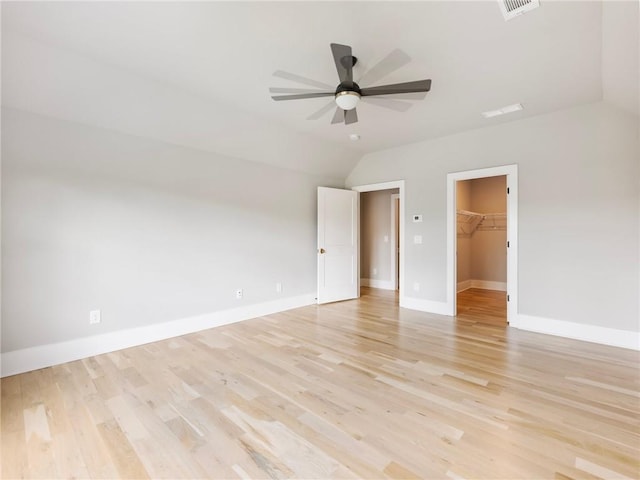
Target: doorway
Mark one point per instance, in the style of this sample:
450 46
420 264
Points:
381 227
379 245
507 220
481 254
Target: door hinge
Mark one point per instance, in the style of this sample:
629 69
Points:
507 298
507 190
507 244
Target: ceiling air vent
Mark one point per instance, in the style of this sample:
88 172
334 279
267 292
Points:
513 8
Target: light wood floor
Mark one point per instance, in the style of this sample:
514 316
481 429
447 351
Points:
485 306
357 389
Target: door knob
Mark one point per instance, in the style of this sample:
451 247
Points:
322 250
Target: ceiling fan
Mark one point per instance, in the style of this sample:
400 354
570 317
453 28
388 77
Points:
348 93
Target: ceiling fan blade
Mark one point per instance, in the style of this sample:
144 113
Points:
338 116
406 87
344 61
350 116
389 64
322 111
407 96
300 79
398 106
292 90
302 95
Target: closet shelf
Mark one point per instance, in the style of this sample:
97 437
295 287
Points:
468 222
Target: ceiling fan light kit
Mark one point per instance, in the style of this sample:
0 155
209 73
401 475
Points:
348 93
347 100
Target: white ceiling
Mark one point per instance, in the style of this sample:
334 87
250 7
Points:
198 74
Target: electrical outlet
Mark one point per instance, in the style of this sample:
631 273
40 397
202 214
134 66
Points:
374 272
416 287
239 293
94 317
279 287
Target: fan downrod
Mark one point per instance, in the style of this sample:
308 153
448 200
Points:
348 61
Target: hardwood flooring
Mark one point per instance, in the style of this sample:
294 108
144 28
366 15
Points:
485 306
359 389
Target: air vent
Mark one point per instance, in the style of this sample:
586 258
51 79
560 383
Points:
513 8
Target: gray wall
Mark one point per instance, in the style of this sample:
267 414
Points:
463 261
145 231
375 224
482 255
488 256
578 175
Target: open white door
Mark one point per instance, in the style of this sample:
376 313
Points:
337 244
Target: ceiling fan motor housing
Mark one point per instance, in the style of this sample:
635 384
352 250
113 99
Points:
347 86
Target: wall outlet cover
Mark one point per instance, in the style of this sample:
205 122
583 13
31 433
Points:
94 317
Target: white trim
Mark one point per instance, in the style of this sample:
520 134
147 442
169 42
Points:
399 184
429 306
41 356
511 171
374 187
394 247
579 331
376 283
483 284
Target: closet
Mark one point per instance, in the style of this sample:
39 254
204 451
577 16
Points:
481 259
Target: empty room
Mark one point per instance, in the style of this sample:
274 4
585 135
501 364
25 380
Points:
312 240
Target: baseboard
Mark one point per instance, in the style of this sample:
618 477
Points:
489 285
375 283
483 284
33 358
429 306
589 333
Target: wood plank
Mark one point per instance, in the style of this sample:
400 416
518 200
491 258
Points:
357 389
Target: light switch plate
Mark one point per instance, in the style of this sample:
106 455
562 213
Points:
417 239
417 218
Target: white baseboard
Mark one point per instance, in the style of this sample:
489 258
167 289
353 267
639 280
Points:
429 306
375 283
484 284
589 333
41 356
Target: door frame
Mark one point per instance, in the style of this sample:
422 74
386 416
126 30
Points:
373 187
395 245
511 172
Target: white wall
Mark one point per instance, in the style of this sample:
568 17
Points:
62 83
578 175
144 231
621 54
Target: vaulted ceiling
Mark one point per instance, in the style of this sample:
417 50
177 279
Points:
198 74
